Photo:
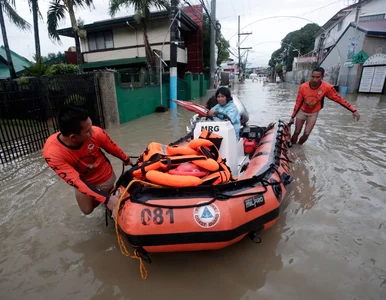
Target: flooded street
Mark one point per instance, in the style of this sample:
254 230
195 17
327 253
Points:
329 242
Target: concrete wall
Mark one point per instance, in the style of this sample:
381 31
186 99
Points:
134 103
333 33
113 54
128 36
122 103
371 45
374 7
108 96
336 72
298 77
193 85
133 52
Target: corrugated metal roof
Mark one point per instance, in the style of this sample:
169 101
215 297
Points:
18 62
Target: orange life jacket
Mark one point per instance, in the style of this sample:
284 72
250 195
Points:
156 149
157 159
168 163
214 138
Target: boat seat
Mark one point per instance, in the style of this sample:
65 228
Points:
252 132
227 149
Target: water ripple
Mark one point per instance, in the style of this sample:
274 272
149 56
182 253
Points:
331 231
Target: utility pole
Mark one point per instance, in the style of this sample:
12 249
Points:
213 63
358 11
239 48
246 59
173 55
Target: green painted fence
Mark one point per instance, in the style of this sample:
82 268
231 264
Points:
195 84
136 102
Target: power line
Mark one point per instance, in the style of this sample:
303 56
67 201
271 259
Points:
298 16
208 14
232 5
320 8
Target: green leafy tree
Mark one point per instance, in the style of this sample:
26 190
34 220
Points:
38 69
8 7
301 40
57 12
142 16
221 43
60 69
56 57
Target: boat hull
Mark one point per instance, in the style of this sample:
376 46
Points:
210 217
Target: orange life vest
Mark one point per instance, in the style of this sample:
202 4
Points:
156 149
157 159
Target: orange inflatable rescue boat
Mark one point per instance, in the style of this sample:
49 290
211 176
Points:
199 194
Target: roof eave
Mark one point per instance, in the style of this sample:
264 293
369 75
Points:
378 34
188 21
359 27
113 23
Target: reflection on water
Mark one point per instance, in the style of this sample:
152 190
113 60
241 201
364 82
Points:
329 242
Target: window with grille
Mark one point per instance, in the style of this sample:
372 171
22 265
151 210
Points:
100 40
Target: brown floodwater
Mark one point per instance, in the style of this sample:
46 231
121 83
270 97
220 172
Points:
329 243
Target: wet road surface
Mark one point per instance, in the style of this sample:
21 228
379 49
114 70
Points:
329 243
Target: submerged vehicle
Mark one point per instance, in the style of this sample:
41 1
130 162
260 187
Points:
205 191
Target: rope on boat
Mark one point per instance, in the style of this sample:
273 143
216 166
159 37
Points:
122 245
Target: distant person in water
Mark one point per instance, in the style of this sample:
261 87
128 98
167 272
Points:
310 101
226 106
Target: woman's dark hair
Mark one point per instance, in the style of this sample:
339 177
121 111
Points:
319 69
211 102
226 92
70 118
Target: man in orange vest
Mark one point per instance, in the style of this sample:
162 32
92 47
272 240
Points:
75 154
310 101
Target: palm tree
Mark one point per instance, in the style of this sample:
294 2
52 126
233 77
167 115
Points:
34 7
142 16
8 7
56 13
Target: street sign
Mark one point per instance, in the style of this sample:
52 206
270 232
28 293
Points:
360 57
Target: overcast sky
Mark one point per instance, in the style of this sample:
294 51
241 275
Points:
265 37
